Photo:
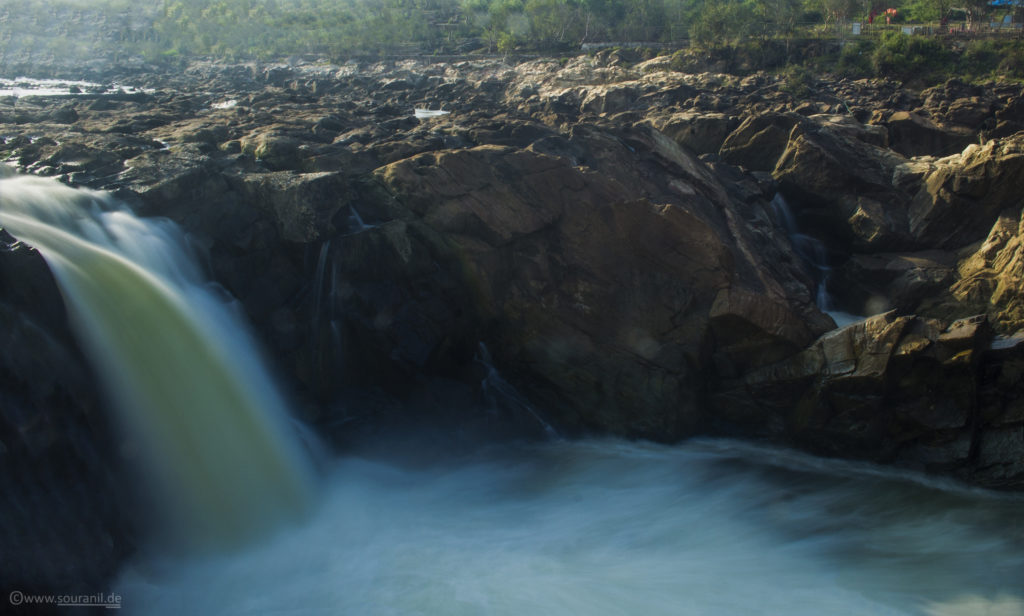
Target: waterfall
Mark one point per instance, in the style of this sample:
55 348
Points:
808 248
356 223
812 251
498 392
182 373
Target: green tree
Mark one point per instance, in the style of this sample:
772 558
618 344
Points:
724 24
553 21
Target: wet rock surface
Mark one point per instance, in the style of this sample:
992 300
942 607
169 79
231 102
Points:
602 234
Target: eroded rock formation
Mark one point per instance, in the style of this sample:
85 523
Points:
602 232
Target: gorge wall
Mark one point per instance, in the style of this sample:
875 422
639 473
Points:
600 231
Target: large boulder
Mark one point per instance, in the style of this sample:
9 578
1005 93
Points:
605 307
989 279
759 141
873 283
969 106
701 133
302 205
963 194
913 135
843 187
609 99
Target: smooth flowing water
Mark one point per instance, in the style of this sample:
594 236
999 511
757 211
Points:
176 361
609 527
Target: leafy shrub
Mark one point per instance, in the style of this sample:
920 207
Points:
1012 64
854 59
911 58
723 24
981 58
762 54
799 80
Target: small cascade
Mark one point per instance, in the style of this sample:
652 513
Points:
319 282
810 249
498 392
815 255
182 372
325 327
355 221
325 324
423 114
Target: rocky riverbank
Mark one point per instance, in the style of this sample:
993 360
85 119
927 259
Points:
601 235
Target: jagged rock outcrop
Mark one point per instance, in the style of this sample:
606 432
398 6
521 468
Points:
701 133
874 283
989 279
913 135
603 305
899 389
759 141
963 194
844 186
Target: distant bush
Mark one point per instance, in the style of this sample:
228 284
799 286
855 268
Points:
1012 64
723 25
981 57
911 58
798 80
762 54
988 59
854 60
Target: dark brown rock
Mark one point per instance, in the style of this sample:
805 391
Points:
846 187
899 389
759 141
913 135
701 133
562 261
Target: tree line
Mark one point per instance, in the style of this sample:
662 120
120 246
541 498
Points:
263 29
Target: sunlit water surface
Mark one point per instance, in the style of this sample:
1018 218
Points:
24 86
608 527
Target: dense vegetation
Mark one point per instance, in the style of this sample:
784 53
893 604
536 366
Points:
739 33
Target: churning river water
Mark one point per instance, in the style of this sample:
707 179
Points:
610 527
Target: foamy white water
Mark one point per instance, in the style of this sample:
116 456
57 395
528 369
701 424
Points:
24 86
210 429
422 114
608 527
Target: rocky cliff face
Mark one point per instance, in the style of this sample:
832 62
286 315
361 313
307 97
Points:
601 233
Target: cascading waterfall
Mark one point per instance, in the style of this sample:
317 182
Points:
810 249
180 369
814 254
551 527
